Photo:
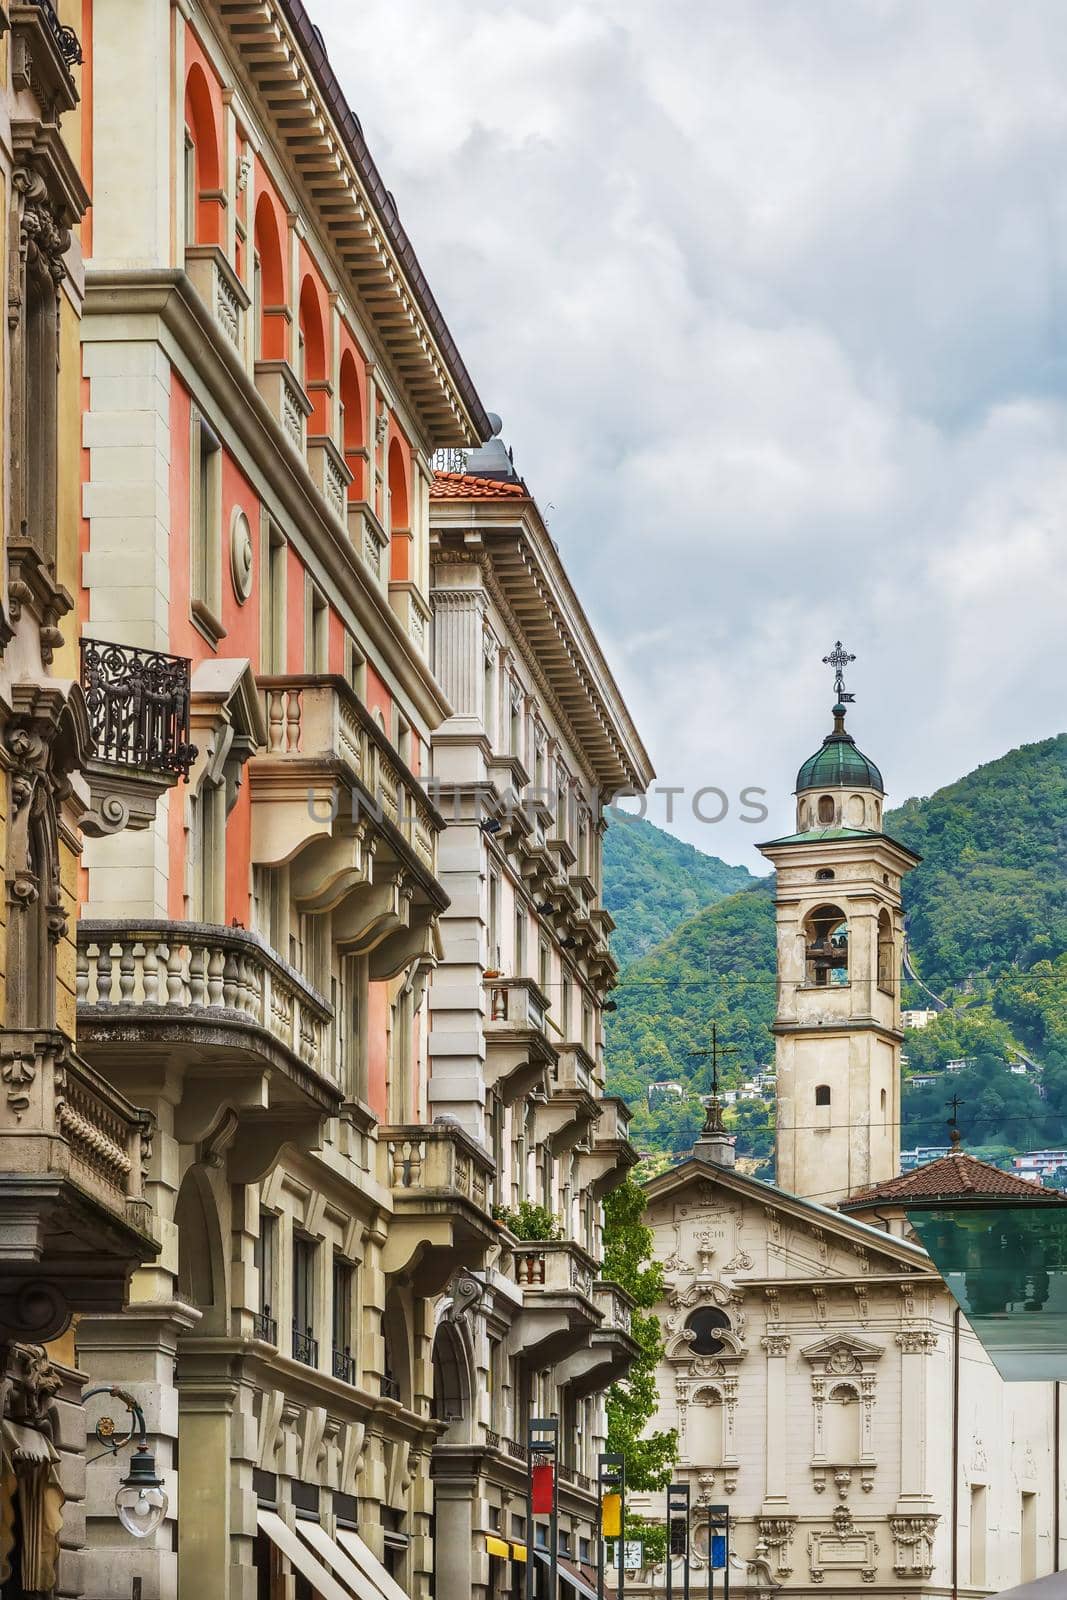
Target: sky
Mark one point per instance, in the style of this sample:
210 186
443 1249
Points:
772 299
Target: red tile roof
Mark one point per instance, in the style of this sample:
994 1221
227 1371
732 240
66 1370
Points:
465 486
951 1177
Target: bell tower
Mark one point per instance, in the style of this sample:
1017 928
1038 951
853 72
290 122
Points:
840 945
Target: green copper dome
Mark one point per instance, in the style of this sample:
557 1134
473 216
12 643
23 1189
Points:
839 765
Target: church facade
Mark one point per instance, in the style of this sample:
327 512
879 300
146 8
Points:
823 1383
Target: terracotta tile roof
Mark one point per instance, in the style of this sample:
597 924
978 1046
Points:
951 1178
464 486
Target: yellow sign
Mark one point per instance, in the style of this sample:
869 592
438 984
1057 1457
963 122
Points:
611 1516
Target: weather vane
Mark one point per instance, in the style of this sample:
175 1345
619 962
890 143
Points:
839 659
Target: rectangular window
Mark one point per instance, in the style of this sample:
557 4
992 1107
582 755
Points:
403 740
343 1281
189 188
544 969
519 970
356 668
305 1345
489 694
494 919
565 1018
206 528
1028 1539
515 697
264 1257
273 622
978 1533
208 853
317 644
587 1027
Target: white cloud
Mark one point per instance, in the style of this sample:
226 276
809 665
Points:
769 297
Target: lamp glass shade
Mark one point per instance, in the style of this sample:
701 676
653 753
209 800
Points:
141 1501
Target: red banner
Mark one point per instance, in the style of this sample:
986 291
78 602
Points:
541 1487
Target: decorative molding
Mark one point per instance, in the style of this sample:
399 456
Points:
913 1545
916 1341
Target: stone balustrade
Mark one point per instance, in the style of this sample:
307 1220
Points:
553 1266
185 969
615 1304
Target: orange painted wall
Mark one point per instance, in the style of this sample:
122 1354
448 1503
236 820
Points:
379 698
377 1049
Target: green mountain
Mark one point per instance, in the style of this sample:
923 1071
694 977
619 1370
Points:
653 881
987 923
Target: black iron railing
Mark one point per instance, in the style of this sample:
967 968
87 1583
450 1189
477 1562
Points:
138 703
343 1364
305 1346
390 1388
67 40
515 1449
492 1438
264 1326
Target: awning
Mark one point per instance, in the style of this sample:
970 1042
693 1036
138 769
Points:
518 1552
497 1547
369 1565
570 1574
335 1558
296 1551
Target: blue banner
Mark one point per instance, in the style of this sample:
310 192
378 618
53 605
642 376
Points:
718 1551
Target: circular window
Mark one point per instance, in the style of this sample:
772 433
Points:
706 1326
241 555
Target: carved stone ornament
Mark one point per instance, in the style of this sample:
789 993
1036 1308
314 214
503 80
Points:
29 1480
241 556
776 1533
913 1545
842 1548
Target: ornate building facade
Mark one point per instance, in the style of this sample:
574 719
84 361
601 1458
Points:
823 1383
322 1295
537 737
74 1214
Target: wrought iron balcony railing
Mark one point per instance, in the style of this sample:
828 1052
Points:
264 1326
305 1346
344 1364
138 703
390 1388
67 40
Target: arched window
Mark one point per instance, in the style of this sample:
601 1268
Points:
396 1379
203 183
886 962
269 284
706 1325
451 1387
311 355
826 809
824 875
843 1426
826 947
352 420
822 1094
399 516
882 1102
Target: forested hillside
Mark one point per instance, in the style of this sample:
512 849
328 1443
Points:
987 922
653 882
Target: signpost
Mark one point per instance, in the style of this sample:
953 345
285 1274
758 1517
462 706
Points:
719 1549
542 1451
611 1495
678 1536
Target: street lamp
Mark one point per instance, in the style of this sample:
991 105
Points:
141 1500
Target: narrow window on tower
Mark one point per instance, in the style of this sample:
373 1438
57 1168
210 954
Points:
822 1094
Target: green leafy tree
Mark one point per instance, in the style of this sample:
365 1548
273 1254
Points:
632 1402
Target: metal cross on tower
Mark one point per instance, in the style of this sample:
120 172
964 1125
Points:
839 659
713 1121
953 1121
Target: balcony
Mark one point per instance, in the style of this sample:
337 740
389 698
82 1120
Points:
332 798
368 537
305 1346
517 1049
138 703
414 614
611 1350
610 1155
74 1221
219 288
214 1023
440 1182
289 405
329 474
564 1118
558 1315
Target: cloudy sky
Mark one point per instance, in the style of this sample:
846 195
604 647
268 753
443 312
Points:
772 298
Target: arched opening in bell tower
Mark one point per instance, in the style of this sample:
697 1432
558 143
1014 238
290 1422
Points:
885 953
826 947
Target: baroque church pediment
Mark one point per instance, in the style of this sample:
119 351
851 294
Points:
842 1352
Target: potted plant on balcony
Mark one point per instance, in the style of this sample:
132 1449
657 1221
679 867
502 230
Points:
529 1222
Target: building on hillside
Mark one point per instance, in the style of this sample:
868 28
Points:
922 1154
266 376
1039 1163
537 739
76 756
917 1017
822 1382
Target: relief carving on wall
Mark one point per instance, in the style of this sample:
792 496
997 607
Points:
913 1545
843 1547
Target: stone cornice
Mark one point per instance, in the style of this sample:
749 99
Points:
161 304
